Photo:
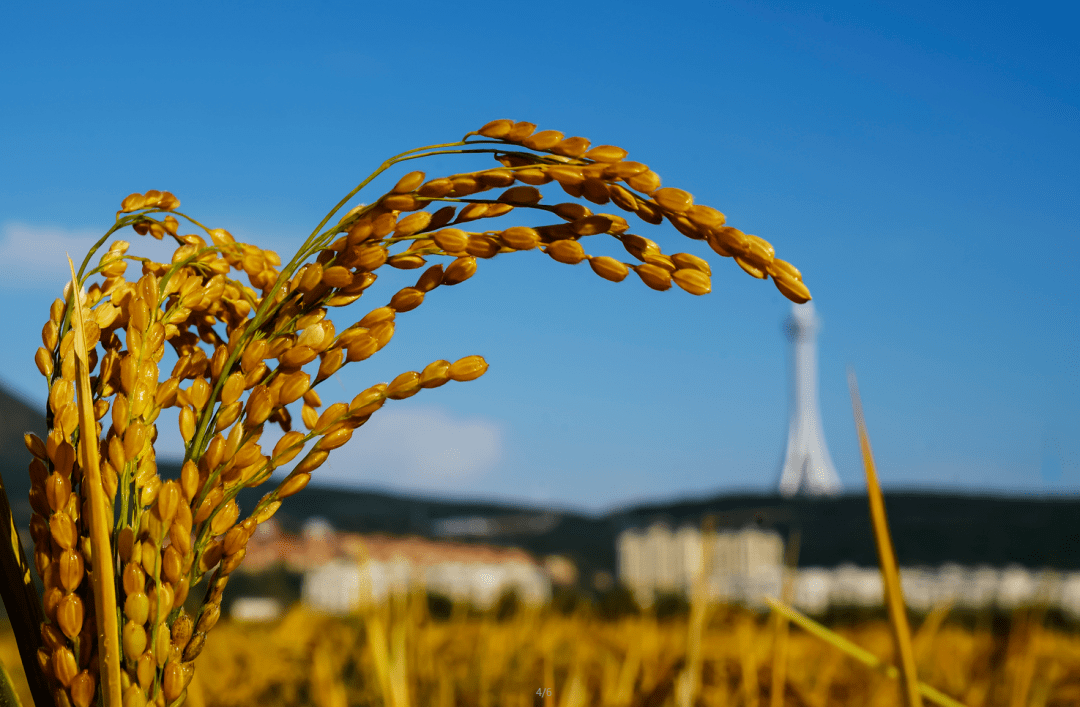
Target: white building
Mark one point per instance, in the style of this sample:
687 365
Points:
380 566
747 564
743 563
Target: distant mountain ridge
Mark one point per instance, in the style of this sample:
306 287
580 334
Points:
928 528
17 417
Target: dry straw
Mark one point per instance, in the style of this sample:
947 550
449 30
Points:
858 653
780 623
890 571
913 690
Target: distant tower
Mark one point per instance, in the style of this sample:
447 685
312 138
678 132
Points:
808 469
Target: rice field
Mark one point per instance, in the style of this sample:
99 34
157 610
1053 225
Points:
401 655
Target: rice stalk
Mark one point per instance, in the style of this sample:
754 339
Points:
924 637
890 572
377 642
1040 693
105 610
780 622
548 657
399 669
23 605
689 685
748 661
574 692
858 653
1025 651
327 688
628 674
8 696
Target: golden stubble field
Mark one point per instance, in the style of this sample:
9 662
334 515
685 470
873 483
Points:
399 655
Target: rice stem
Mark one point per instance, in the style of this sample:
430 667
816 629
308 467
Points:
890 572
858 653
101 547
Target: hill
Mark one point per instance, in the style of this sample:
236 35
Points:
928 528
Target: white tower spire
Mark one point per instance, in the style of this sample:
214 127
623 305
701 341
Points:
808 468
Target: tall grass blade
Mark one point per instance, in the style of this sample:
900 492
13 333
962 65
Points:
377 638
780 623
548 658
744 634
399 669
858 653
1026 653
890 572
628 674
924 637
8 696
23 604
689 685
100 545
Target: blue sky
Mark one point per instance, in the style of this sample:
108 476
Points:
917 161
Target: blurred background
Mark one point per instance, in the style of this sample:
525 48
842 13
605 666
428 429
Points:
917 161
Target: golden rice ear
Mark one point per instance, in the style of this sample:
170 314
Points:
460 270
571 147
496 177
496 129
483 246
782 267
533 176
759 251
751 269
467 369
435 374
302 473
413 223
654 276
521 195
544 140
566 251
606 153
190 299
591 225
520 238
705 217
407 299
649 212
520 131
406 261
793 289
675 201
404 386
451 240
646 182
408 183
686 260
609 268
596 191
693 281
623 198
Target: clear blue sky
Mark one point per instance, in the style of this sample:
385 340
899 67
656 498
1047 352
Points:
918 162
